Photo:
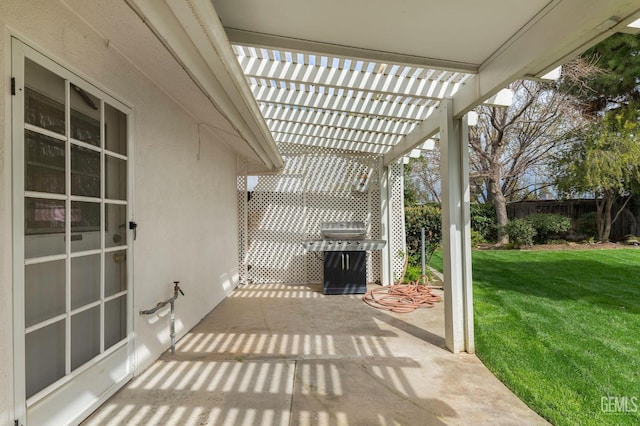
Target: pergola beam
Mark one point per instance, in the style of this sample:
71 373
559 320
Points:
255 39
554 36
429 127
557 34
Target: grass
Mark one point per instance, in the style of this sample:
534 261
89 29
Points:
562 330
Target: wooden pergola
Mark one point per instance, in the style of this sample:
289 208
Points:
381 78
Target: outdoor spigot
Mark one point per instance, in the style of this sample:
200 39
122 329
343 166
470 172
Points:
176 288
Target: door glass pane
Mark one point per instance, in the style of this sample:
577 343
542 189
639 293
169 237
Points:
115 321
44 357
44 163
115 130
44 227
81 167
44 98
85 172
116 178
85 336
85 226
85 116
115 272
116 232
44 290
85 280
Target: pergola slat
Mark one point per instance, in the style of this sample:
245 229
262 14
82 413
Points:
344 103
338 119
444 85
331 143
365 103
373 126
333 133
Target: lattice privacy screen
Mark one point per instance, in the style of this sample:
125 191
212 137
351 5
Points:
316 185
242 218
396 202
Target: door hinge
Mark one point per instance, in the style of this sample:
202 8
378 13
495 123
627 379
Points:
13 90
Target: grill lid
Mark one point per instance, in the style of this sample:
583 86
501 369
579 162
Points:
342 230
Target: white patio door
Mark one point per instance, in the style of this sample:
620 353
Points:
72 244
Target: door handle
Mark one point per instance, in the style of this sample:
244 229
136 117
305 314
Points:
348 262
342 257
134 227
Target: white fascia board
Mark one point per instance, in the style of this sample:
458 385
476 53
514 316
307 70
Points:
429 127
192 32
559 32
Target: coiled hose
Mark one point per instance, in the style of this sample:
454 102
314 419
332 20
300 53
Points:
401 298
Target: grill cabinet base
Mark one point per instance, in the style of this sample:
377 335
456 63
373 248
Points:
345 272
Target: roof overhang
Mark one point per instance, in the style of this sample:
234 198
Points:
194 36
368 77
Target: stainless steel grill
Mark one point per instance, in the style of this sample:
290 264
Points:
343 230
343 236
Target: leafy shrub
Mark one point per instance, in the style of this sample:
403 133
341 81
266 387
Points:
483 220
548 226
586 225
476 238
429 217
552 241
413 274
632 240
521 232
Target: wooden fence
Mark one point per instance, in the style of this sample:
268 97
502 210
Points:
628 223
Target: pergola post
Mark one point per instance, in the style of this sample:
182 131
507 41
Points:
385 198
456 230
392 215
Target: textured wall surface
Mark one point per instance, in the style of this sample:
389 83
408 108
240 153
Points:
184 190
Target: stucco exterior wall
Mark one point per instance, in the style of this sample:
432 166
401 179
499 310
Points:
184 193
6 332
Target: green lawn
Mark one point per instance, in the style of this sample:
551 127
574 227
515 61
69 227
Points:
562 330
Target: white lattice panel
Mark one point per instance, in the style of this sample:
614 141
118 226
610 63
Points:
398 241
316 185
276 228
242 218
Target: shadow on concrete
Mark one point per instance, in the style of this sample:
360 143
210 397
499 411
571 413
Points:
287 355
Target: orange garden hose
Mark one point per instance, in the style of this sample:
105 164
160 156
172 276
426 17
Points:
401 298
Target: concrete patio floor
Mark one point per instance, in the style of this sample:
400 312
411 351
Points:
288 355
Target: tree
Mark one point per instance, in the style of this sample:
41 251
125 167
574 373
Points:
603 160
616 61
606 165
510 147
422 177
412 195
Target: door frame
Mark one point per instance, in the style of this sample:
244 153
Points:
19 51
